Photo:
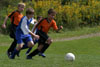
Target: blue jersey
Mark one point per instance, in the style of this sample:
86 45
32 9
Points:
22 31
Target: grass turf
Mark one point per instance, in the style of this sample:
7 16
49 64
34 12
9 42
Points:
87 52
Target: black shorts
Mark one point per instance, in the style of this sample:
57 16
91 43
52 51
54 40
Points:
12 31
43 37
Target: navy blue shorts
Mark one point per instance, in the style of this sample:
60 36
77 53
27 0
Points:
25 40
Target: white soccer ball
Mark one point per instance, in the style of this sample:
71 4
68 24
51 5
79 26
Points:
70 57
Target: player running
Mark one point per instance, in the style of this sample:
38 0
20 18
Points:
23 34
43 27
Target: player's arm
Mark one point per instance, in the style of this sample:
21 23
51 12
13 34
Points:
26 30
56 28
6 18
61 27
5 21
36 36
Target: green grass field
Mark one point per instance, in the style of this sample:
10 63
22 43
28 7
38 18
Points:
72 33
87 52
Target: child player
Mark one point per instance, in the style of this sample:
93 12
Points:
23 34
43 27
15 17
39 18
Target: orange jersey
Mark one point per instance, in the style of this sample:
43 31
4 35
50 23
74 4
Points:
44 25
15 17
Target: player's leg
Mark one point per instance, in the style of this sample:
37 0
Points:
12 47
35 52
43 39
17 49
35 41
13 44
46 45
27 52
28 43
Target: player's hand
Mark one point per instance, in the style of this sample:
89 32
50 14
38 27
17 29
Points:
3 26
37 36
49 41
61 27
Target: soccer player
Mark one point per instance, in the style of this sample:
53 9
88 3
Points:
23 34
15 17
39 18
43 28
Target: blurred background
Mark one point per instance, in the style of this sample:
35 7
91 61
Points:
72 14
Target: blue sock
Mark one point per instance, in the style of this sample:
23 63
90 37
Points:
24 46
14 53
29 50
35 41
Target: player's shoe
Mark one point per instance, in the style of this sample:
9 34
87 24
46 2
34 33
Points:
42 54
28 57
8 54
26 54
12 57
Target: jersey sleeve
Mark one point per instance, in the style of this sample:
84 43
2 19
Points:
11 14
24 27
54 25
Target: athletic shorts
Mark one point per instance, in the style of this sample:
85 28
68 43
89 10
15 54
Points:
12 28
24 40
43 36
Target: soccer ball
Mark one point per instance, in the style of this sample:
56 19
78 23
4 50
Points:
70 57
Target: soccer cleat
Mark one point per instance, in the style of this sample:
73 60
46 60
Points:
43 55
26 54
28 57
12 57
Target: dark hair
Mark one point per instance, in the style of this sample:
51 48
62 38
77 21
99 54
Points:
29 11
51 10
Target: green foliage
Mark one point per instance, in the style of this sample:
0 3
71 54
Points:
72 14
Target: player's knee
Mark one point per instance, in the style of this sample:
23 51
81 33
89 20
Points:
40 47
31 44
49 41
19 47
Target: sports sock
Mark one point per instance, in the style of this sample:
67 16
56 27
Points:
12 46
29 50
35 52
14 53
35 41
44 48
24 46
